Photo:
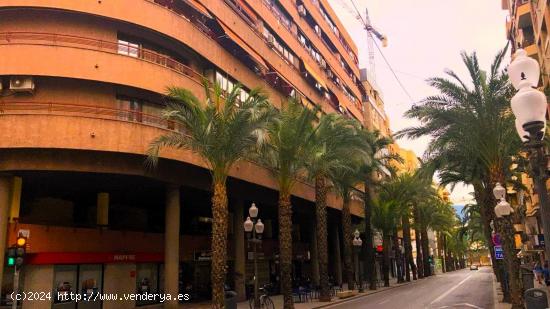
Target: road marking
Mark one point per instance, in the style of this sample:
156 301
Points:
450 291
383 302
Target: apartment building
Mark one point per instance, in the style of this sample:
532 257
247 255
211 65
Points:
81 91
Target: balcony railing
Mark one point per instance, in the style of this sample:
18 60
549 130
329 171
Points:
53 39
98 112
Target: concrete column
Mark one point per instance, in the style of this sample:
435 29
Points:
103 209
15 202
314 256
337 256
171 244
240 258
4 213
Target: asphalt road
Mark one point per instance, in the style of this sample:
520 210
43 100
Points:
459 289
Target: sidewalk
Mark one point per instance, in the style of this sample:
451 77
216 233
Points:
278 299
497 296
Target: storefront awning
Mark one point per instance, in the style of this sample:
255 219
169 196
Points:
316 76
229 34
198 7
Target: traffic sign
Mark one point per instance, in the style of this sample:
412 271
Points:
499 254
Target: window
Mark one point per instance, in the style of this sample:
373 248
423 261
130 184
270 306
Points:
282 49
89 278
128 48
227 85
148 278
129 109
7 285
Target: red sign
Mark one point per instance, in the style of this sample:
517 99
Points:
44 258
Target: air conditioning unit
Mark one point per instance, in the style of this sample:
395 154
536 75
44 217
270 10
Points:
302 10
271 40
330 74
318 30
323 64
22 84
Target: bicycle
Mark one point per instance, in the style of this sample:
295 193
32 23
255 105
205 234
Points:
265 300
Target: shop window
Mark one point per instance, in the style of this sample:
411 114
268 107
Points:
86 279
148 281
65 283
7 286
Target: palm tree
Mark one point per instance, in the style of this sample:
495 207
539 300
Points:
290 137
473 138
221 130
385 217
335 139
379 161
344 181
409 189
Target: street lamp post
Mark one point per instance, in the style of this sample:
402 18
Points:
503 210
357 243
254 229
529 106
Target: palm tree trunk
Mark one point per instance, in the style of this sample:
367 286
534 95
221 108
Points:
441 250
321 190
419 260
348 239
368 251
219 243
506 230
408 246
426 251
285 247
398 258
386 262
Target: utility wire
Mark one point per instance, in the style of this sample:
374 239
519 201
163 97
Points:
382 54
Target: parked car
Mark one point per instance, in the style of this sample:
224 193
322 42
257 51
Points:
473 267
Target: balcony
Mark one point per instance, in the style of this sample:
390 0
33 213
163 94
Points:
523 14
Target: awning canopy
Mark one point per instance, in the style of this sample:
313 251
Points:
240 44
311 72
199 7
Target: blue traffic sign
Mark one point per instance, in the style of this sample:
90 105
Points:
499 254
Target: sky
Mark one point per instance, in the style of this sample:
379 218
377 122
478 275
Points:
425 37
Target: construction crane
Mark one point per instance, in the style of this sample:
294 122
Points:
371 30
371 33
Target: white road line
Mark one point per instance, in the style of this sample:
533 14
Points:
450 291
383 302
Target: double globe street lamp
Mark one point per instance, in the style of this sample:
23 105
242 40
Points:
357 243
529 105
254 228
503 210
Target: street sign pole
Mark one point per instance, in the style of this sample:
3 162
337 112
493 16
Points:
15 287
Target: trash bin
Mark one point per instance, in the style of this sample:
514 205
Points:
528 278
230 300
536 299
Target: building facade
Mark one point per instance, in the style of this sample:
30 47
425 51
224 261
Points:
527 27
81 91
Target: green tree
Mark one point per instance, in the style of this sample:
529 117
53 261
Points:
290 140
336 137
378 162
222 130
344 180
473 138
385 218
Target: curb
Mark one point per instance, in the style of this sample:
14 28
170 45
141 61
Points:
364 295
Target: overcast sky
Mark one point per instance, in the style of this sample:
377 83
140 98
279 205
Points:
425 37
